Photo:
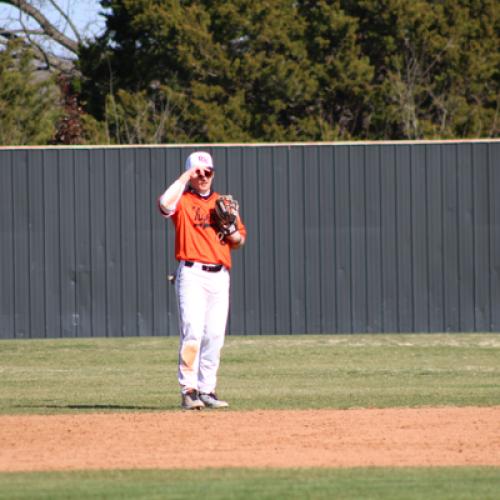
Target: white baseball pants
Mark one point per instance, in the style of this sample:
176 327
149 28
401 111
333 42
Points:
203 302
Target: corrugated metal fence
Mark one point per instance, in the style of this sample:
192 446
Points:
382 237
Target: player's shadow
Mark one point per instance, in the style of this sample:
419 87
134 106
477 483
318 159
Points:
106 407
96 407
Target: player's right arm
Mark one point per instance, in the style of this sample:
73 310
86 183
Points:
168 201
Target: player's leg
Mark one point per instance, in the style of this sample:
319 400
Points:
191 300
213 338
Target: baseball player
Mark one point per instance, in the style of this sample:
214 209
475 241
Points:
207 228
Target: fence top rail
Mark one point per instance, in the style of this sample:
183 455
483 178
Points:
251 145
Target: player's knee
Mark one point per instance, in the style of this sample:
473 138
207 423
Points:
189 352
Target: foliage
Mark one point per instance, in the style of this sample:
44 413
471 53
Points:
436 66
169 71
75 126
143 117
237 71
29 106
215 71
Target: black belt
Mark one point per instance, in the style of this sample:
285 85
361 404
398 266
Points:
205 267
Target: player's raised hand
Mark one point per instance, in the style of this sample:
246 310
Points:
192 173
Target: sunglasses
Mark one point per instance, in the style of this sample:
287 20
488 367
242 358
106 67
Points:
205 173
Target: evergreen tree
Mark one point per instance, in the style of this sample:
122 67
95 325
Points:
217 71
29 106
436 66
228 71
343 73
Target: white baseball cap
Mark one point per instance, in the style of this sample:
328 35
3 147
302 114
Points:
199 159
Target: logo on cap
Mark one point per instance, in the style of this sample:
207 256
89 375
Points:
199 158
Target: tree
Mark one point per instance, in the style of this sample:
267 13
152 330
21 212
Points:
436 66
305 70
344 74
44 33
227 71
256 70
29 108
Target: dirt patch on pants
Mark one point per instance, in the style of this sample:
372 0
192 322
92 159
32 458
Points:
302 438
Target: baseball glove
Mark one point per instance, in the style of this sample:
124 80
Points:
224 216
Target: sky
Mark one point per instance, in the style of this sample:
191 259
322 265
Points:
84 13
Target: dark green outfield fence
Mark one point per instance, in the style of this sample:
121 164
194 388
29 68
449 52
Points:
358 237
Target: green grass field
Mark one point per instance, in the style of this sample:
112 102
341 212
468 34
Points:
345 371
286 372
247 484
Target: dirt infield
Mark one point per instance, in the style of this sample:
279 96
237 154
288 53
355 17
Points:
322 438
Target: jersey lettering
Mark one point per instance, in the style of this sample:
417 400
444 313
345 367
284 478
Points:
201 218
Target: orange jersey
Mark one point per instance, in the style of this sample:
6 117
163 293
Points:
195 238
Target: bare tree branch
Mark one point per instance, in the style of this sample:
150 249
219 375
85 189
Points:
48 28
43 39
43 57
4 32
68 20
